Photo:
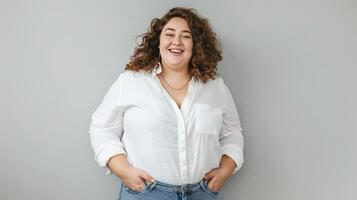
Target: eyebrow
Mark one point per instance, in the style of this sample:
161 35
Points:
172 29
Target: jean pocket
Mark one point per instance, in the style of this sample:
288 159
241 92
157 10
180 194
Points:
204 185
126 188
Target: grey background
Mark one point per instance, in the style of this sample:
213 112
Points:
290 65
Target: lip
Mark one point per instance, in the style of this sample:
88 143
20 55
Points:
176 50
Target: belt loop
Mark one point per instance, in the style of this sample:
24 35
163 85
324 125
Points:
152 185
202 184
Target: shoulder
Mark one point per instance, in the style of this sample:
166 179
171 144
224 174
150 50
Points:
217 83
129 75
213 89
219 87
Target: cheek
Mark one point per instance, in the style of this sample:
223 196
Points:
189 47
164 43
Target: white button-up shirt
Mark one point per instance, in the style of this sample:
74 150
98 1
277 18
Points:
175 145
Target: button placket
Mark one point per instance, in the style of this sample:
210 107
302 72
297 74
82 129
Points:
182 145
182 156
181 136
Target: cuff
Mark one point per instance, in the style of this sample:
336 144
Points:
108 171
236 155
105 154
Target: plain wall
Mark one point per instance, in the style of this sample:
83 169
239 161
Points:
290 65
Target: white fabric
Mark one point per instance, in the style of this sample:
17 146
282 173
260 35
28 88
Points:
137 117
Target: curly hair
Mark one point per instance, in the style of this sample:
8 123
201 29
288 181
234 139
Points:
206 51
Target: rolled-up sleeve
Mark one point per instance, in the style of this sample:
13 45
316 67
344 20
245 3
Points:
106 127
231 138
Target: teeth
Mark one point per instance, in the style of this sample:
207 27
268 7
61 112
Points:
176 51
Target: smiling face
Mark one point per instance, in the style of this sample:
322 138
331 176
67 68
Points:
176 44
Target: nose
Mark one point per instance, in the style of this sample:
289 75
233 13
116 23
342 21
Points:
177 41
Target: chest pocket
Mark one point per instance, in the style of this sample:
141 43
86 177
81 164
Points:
208 119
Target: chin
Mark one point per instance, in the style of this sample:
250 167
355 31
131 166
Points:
176 62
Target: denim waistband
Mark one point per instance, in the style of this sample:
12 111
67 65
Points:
176 188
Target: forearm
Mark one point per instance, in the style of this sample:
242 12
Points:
118 164
227 163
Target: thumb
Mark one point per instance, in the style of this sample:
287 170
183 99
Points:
147 177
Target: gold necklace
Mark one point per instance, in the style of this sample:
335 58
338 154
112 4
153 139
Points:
173 87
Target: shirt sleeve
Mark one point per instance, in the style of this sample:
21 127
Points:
230 137
106 127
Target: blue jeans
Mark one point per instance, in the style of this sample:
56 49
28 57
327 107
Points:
162 191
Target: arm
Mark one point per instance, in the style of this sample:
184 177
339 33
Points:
227 163
106 127
231 138
118 165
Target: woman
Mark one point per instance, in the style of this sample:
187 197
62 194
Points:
168 127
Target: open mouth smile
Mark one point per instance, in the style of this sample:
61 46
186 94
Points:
176 51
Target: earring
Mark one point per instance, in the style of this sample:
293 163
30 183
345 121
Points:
159 60
158 68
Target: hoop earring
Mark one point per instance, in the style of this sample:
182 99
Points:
158 64
159 60
159 57
158 67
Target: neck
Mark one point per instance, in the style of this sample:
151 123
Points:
177 73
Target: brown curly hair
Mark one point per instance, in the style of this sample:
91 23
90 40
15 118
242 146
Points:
206 51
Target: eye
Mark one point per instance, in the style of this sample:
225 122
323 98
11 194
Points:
187 36
169 34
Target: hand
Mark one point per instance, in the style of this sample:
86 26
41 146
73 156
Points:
135 178
130 176
217 177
